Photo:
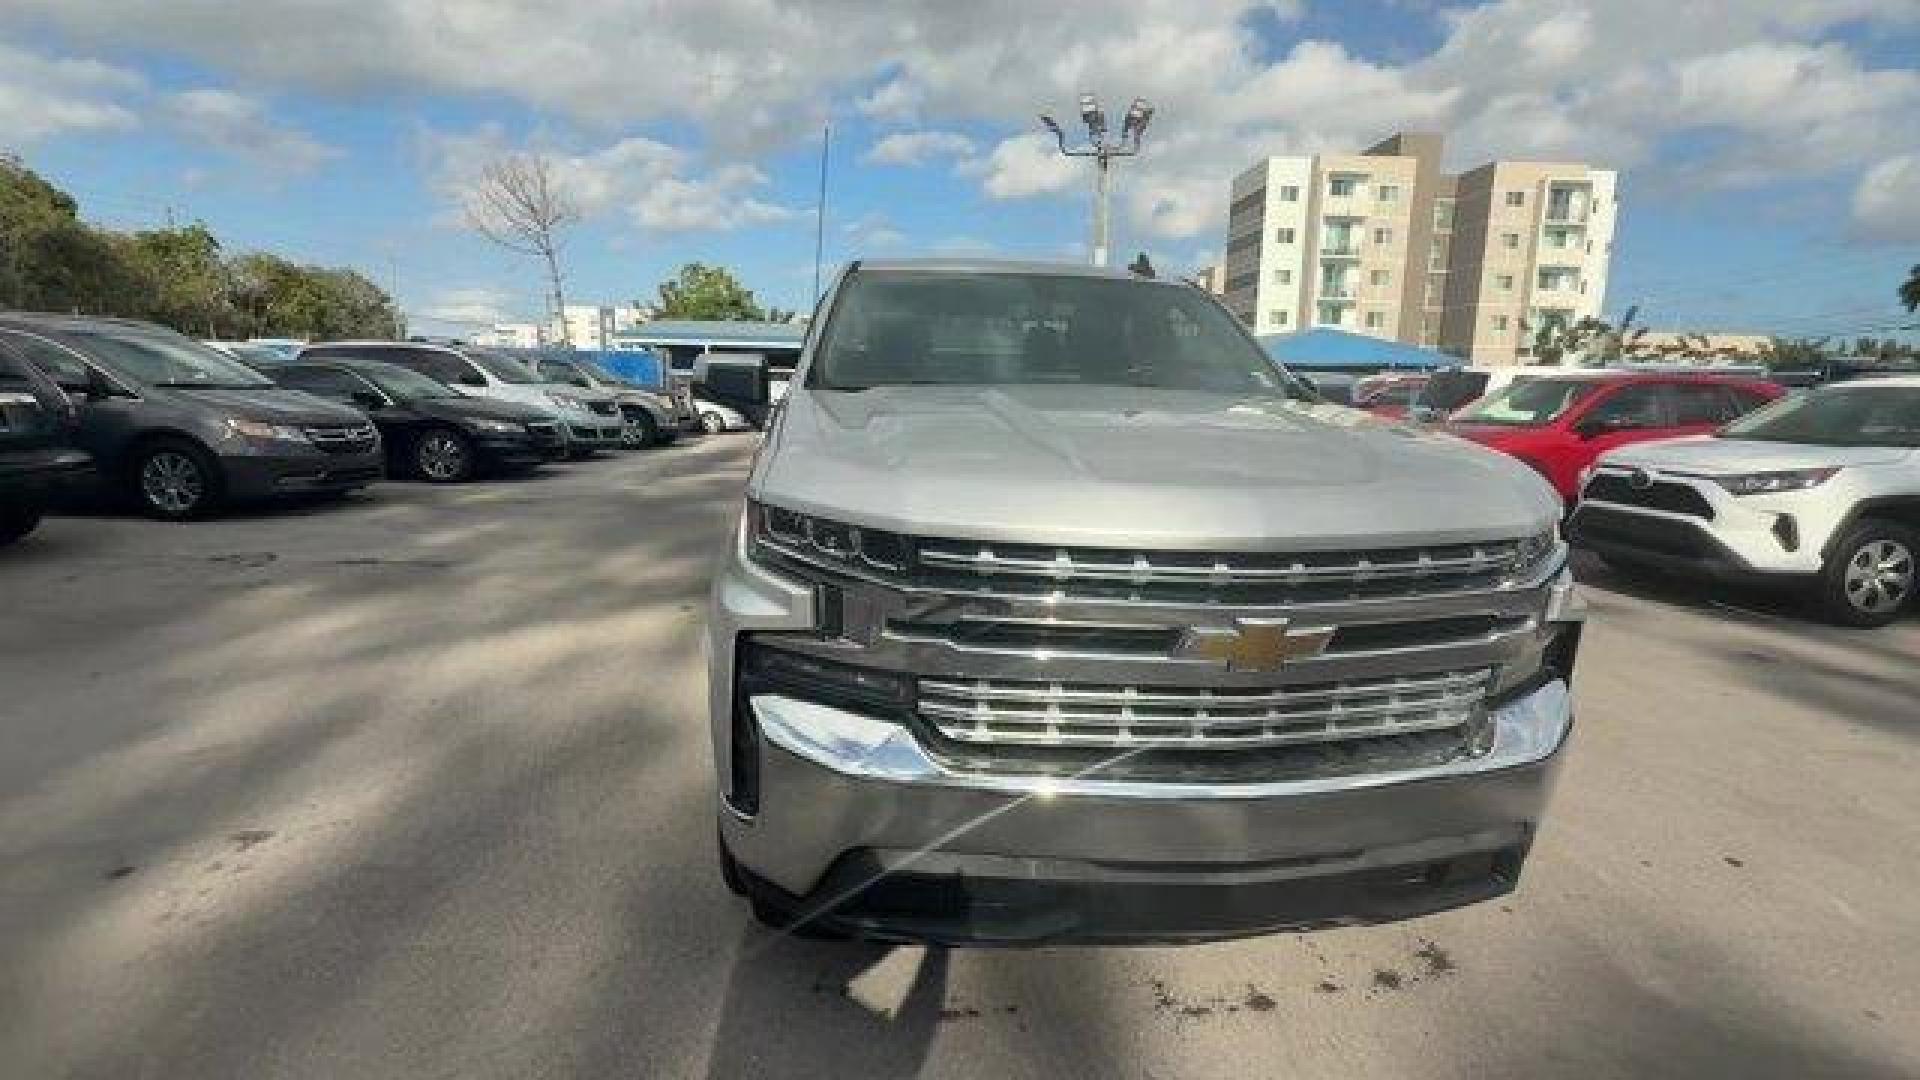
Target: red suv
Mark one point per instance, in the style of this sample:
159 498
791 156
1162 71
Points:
1560 423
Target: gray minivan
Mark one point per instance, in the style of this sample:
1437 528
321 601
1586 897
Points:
184 428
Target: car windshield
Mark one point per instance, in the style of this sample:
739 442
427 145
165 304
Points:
1837 416
897 328
502 367
563 371
158 358
1533 403
601 374
405 384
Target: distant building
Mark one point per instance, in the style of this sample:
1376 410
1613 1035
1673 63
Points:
1383 243
1704 348
508 336
1213 278
594 326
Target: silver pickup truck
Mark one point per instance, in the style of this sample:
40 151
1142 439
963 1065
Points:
1059 612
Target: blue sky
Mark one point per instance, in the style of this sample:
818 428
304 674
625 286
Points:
1770 154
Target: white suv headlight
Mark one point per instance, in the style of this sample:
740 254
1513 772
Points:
1765 483
501 427
568 401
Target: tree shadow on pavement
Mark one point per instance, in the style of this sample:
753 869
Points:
797 1008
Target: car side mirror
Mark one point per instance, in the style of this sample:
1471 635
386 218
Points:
367 399
473 378
77 384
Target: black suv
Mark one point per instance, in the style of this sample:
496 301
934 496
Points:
185 428
36 454
430 430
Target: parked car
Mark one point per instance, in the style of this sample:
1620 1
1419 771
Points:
1448 391
37 455
1389 395
1334 386
648 418
716 418
184 428
1184 652
254 354
591 421
430 430
1820 490
1561 423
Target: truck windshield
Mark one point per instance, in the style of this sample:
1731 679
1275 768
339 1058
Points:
894 328
1837 416
1528 404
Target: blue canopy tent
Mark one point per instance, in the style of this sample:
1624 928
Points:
1327 349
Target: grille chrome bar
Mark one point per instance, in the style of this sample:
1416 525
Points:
984 559
1065 715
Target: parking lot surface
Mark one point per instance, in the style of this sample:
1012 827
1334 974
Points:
417 785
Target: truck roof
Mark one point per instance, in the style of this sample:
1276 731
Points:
957 265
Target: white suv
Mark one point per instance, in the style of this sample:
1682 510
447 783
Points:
1821 488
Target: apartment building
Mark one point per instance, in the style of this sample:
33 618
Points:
593 326
1384 243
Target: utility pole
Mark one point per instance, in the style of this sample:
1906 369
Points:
1133 128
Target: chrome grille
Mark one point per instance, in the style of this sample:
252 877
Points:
1151 568
1123 717
341 438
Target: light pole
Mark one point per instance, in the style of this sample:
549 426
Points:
1133 127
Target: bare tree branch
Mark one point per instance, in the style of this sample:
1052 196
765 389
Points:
519 204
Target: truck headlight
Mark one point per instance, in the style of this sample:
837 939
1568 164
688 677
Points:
780 535
1534 556
498 427
1766 483
568 402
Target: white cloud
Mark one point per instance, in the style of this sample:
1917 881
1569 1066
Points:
1886 205
41 97
1742 93
238 124
652 183
872 231
911 148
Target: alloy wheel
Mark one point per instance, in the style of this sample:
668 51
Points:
442 457
172 482
1880 576
713 423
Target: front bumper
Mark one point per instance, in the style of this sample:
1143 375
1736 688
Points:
515 451
860 829
268 473
599 433
1753 538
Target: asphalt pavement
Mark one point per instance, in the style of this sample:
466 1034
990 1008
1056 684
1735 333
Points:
417 785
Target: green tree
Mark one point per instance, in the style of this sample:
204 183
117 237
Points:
186 280
1555 338
1794 353
1910 289
708 293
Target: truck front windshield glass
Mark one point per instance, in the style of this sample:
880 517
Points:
907 328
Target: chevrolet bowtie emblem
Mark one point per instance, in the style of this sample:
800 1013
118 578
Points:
1255 644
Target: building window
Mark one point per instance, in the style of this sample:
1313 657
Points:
1388 193
1376 320
1277 317
1283 276
1499 322
1382 237
1283 236
1556 277
1377 278
1510 241
1514 198
1505 282
1443 214
1289 193
1344 187
1437 259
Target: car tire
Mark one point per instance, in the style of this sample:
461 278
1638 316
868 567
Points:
640 431
713 423
1871 574
175 480
18 521
443 456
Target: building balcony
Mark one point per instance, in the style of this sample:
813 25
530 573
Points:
1337 294
1340 250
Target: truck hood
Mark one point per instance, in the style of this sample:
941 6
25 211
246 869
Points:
270 404
1136 467
1713 456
